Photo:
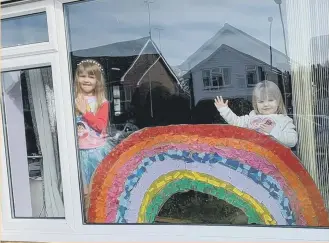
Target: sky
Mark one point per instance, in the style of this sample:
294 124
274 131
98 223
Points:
185 24
17 31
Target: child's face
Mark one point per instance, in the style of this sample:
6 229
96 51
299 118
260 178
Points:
267 106
87 83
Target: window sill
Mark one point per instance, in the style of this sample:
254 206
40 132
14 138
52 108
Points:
177 233
251 85
220 88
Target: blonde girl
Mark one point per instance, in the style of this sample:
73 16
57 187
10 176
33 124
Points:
92 113
269 115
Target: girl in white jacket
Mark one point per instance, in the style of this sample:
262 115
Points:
269 115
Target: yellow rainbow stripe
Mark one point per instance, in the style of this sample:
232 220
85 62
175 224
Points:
159 184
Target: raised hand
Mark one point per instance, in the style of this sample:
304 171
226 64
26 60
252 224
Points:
219 102
81 104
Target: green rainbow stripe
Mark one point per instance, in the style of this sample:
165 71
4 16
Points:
182 183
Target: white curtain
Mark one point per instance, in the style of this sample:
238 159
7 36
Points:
307 21
41 99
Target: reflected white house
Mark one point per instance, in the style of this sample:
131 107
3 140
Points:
230 64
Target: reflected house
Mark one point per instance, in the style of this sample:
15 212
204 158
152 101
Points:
141 85
230 64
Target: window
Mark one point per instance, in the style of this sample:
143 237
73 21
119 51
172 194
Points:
108 142
121 98
127 93
33 156
116 99
215 78
206 78
24 30
157 105
254 75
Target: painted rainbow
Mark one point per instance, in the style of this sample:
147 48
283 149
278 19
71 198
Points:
249 170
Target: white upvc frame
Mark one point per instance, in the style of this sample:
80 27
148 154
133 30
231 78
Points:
72 229
10 224
35 48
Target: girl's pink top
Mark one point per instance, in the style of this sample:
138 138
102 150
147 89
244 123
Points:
92 126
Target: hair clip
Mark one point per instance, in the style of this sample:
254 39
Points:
93 62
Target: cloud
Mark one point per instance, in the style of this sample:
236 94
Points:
186 24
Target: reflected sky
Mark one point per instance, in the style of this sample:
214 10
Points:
186 24
24 30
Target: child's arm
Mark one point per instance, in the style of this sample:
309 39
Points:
98 121
288 136
228 114
232 119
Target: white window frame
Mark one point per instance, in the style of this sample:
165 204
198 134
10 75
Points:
9 223
72 228
23 9
211 87
119 99
258 75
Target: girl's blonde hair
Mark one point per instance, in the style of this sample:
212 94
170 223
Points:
266 90
92 68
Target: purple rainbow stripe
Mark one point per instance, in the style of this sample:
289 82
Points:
246 185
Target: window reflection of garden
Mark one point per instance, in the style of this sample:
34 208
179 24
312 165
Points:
199 208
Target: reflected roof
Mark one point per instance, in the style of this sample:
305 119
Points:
118 49
239 40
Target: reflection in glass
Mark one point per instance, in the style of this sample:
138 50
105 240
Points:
164 69
24 30
199 208
32 145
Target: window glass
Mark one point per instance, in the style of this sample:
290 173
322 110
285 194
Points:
162 152
206 78
31 144
24 30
